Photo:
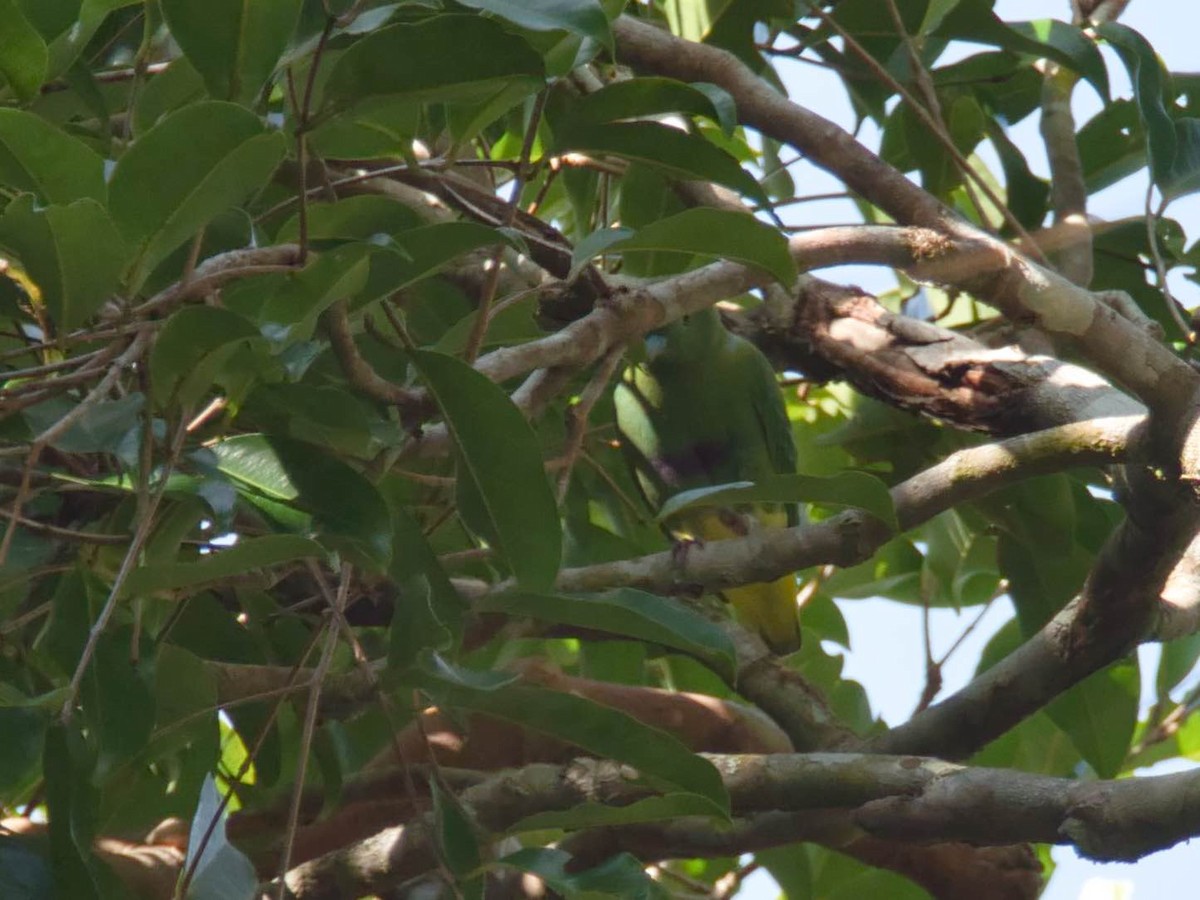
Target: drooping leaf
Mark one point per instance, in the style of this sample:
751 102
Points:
347 508
73 253
233 44
636 98
514 508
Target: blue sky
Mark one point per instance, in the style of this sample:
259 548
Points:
887 656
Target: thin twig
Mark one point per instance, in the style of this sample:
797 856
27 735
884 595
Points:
334 629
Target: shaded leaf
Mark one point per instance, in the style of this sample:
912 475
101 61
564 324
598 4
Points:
244 556
515 507
627 612
347 509
659 757
597 815
1099 715
425 61
233 44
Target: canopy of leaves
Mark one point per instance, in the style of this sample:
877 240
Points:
314 512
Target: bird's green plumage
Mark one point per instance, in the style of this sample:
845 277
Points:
704 408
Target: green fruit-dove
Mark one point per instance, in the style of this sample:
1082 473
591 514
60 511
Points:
705 409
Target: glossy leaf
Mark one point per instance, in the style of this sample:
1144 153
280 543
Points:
73 253
628 612
233 44
39 158
515 508
252 460
186 170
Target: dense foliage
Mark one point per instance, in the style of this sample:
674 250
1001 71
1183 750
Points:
316 517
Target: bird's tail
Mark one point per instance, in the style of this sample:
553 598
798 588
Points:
770 609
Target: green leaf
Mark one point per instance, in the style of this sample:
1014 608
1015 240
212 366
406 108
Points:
585 18
349 512
25 872
622 875
597 815
100 429
637 98
360 218
71 806
708 232
513 506
424 61
244 556
456 834
23 55
37 157
1174 144
1099 715
252 460
424 251
678 154
627 612
857 490
235 45
427 612
185 171
24 733
185 722
329 276
659 757
73 253
195 342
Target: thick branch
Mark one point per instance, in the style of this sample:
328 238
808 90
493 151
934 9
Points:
779 799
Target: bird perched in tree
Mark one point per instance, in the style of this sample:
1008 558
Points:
703 409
